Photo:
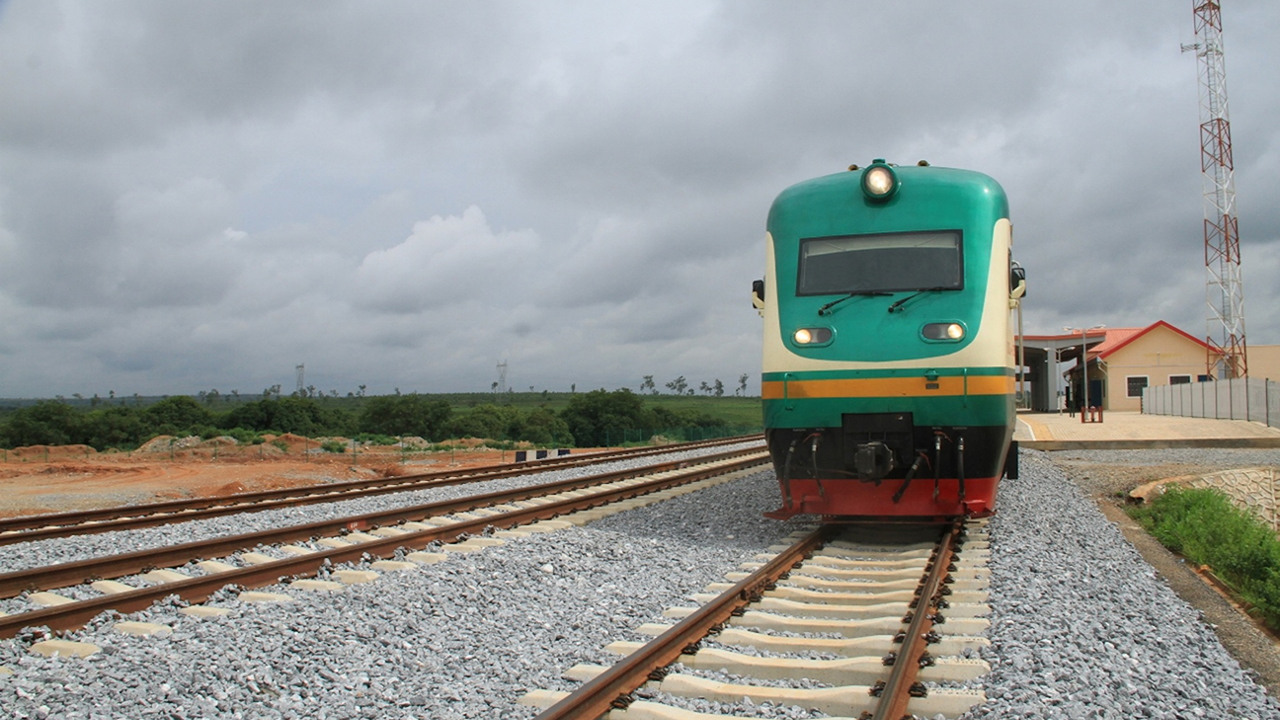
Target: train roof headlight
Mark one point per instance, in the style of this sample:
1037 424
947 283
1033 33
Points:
943 332
812 336
879 181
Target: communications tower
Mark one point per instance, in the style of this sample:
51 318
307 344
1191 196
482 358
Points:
1224 289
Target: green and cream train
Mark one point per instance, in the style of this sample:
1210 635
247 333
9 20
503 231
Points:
888 378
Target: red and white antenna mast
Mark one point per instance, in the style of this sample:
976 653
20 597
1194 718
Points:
1224 289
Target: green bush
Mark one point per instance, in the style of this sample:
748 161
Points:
1206 528
302 416
180 412
244 437
405 415
48 422
333 446
377 439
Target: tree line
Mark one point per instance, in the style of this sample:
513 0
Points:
681 386
591 419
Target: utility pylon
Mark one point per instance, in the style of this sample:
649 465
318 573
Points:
1224 289
502 376
300 370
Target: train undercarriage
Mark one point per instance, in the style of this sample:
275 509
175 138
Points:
884 465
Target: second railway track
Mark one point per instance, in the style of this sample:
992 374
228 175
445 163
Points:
410 528
67 524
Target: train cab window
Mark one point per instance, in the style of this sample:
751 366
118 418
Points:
893 262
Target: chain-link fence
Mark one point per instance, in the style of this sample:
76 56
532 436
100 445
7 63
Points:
630 436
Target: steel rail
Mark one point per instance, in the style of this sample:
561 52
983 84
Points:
196 589
897 690
72 573
40 527
613 688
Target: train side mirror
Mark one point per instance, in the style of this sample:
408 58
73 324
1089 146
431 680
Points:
757 295
1017 282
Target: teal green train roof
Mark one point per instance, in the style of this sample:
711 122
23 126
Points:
925 189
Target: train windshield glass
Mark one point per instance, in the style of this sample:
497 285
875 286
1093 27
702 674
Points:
881 263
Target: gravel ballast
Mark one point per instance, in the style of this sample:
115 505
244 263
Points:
21 556
1081 626
465 638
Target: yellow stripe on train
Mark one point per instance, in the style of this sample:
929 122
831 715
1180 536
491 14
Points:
889 387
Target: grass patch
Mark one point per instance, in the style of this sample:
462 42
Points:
1204 526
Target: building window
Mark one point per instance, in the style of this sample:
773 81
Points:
1179 379
1136 383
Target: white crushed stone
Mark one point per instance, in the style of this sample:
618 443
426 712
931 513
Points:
1082 627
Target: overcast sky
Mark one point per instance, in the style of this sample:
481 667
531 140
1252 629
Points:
199 195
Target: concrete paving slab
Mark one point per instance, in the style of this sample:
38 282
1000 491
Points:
426 558
111 587
1126 430
254 596
318 585
295 550
204 611
64 648
355 577
257 558
48 599
214 566
159 577
142 629
393 565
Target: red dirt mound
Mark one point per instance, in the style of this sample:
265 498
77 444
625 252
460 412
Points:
50 452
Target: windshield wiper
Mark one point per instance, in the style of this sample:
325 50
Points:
826 309
894 307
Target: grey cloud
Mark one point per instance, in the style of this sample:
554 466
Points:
206 194
447 261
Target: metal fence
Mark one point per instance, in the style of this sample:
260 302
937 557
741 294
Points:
1253 399
631 436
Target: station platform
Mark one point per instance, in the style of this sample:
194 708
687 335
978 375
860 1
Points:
1133 430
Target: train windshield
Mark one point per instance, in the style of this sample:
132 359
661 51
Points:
893 262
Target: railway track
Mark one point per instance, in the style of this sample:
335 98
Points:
68 524
893 619
388 533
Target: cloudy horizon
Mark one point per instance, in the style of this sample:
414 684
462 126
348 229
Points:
403 195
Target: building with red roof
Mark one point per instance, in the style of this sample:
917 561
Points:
1120 363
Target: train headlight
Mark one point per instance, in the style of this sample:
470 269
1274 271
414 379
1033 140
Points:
943 332
879 181
812 336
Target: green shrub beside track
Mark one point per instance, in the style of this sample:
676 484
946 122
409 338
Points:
1204 526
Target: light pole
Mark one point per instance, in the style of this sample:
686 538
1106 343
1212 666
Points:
1084 366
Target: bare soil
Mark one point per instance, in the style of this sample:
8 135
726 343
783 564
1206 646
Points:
40 479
